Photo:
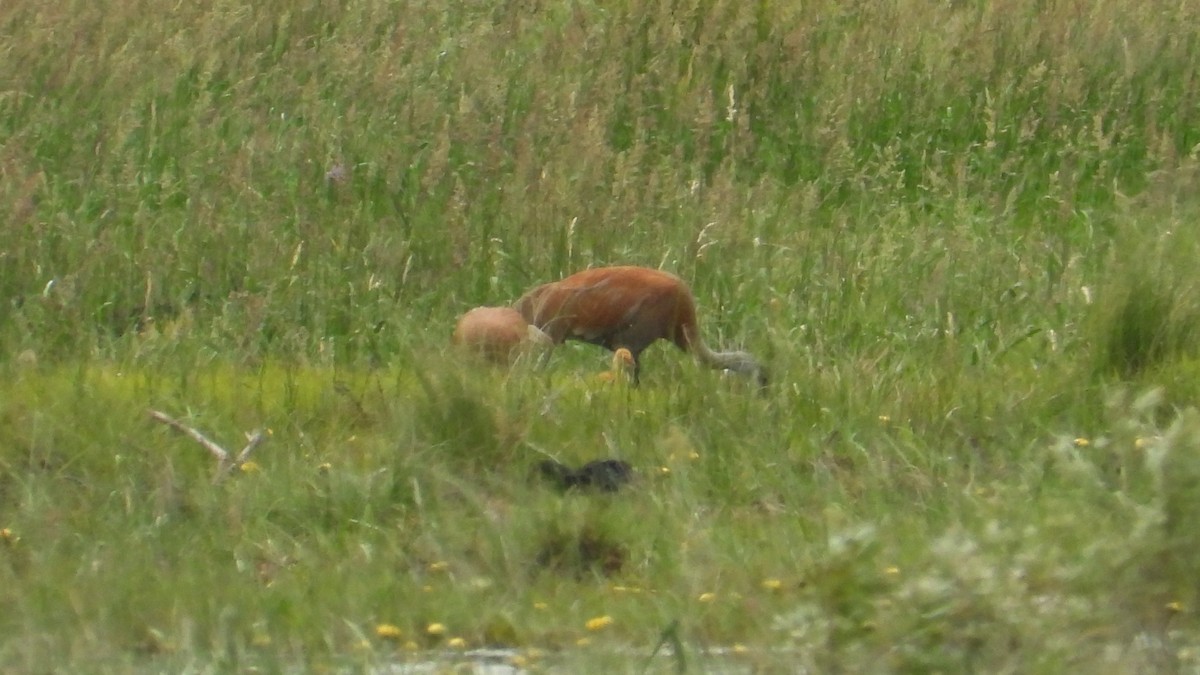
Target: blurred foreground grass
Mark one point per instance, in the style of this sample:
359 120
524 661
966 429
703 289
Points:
384 502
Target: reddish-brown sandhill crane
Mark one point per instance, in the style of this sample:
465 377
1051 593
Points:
500 334
628 307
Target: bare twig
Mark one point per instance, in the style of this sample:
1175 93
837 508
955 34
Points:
216 450
252 440
224 463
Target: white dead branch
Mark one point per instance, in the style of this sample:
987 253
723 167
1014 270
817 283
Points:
224 463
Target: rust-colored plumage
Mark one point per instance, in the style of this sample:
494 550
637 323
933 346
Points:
499 334
629 307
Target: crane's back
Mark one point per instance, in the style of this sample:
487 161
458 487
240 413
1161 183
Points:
613 307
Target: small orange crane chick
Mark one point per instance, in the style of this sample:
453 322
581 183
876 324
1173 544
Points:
622 368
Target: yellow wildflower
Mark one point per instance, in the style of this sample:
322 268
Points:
388 631
250 466
599 623
707 597
261 640
456 643
435 629
772 584
1082 442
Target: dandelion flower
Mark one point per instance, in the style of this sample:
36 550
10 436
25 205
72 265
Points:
892 571
772 584
1082 442
885 419
250 467
388 631
599 623
456 643
435 629
664 470
707 597
7 536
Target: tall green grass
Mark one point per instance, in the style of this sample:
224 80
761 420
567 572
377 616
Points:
293 174
959 233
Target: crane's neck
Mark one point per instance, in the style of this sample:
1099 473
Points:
736 361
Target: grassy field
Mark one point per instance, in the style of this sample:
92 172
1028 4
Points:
960 234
